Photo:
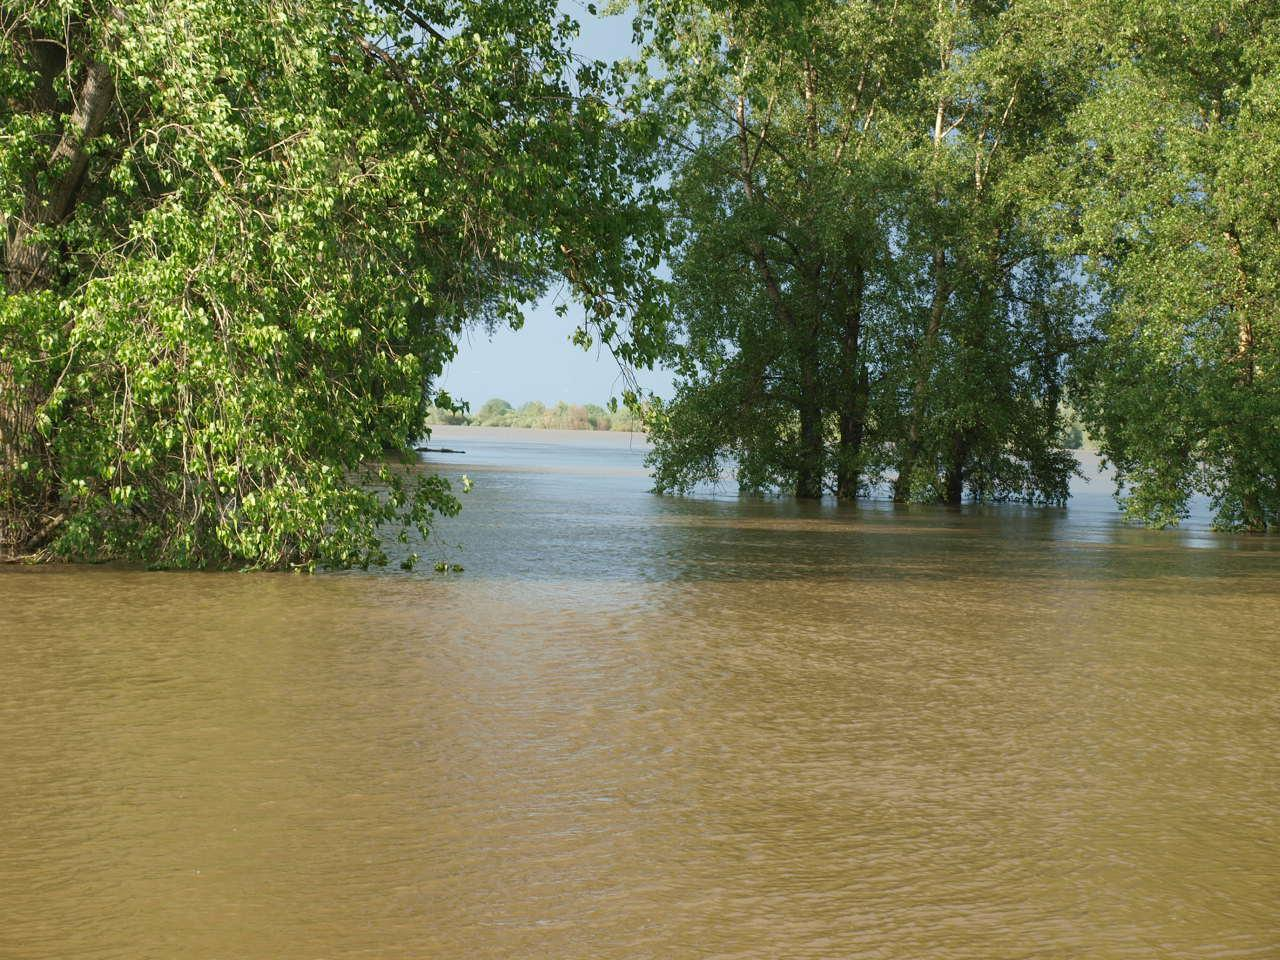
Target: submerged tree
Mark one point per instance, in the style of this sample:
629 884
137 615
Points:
995 310
240 239
1168 186
783 272
858 288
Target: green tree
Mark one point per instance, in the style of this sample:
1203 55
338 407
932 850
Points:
240 240
995 312
1167 185
858 289
531 414
783 141
494 413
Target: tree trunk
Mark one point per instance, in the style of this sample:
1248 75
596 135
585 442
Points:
852 429
27 263
953 480
855 381
941 292
924 362
953 486
18 451
809 471
1252 516
27 497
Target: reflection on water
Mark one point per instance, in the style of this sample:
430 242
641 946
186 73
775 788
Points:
640 727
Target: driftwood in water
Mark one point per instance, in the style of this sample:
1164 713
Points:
437 450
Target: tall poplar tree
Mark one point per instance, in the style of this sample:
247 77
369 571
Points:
783 270
859 291
985 349
1168 188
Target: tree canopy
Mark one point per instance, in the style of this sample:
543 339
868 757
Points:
1166 185
909 236
240 239
909 242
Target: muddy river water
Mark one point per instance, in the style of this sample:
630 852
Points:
639 727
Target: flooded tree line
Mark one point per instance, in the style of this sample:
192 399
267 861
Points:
904 238
913 238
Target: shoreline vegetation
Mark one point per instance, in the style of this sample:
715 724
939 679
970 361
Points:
536 415
868 243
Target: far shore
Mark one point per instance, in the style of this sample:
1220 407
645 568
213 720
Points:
539 434
1094 483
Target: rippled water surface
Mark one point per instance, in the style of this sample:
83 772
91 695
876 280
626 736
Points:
655 728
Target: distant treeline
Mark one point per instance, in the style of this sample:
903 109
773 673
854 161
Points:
234 258
538 416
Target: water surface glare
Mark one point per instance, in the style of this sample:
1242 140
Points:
655 728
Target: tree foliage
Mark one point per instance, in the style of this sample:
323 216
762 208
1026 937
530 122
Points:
911 235
241 238
1167 185
859 290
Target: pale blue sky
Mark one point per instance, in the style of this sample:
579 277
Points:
538 362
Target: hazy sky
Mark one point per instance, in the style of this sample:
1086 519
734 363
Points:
538 362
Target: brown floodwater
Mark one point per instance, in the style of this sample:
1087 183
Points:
639 727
